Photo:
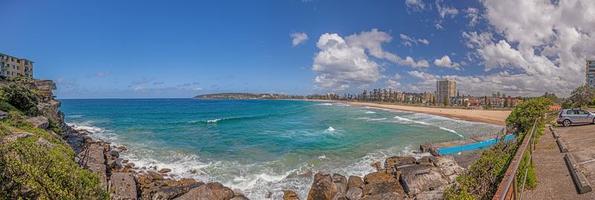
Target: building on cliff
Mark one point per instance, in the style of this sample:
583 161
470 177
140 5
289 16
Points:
11 66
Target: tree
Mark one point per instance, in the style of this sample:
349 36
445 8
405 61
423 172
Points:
581 96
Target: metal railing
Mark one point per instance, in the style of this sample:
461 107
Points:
508 187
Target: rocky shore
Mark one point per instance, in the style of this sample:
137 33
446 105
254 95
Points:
124 180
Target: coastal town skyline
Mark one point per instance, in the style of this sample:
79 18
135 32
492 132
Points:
301 47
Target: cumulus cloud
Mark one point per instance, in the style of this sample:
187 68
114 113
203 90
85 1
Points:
298 38
393 81
541 45
343 62
415 4
410 41
446 62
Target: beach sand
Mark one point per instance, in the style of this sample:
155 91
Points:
497 117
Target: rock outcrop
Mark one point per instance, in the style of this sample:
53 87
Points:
403 177
122 186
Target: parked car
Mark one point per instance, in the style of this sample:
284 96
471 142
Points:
575 116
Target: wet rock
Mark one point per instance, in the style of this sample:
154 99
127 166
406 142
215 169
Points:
116 164
425 148
418 178
39 122
341 184
122 186
165 170
114 153
322 188
122 148
382 184
290 195
214 191
392 163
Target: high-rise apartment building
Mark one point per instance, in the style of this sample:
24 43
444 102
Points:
445 89
11 66
590 73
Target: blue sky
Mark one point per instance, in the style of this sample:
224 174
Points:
137 49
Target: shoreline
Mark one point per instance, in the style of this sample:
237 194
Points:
494 117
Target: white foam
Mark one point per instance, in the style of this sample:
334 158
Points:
212 121
370 112
325 104
330 129
411 120
452 131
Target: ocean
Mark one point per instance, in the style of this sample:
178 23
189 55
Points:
260 146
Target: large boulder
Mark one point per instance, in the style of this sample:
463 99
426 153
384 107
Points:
418 178
39 122
153 186
355 188
322 188
393 163
211 191
382 184
122 186
341 183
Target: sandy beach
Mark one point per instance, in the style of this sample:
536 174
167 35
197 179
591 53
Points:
497 117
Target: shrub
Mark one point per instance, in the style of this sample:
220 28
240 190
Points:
524 114
21 97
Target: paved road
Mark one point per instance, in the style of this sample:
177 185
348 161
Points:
554 180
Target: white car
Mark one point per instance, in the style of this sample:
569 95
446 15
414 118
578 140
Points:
575 116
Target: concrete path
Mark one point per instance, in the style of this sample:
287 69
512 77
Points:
554 180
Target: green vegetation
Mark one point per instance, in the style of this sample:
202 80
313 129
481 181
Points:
35 163
582 96
481 180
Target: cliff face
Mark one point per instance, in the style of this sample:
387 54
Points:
35 162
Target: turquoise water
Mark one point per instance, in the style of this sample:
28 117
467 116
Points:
260 146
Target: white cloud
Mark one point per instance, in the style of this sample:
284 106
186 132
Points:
473 15
393 82
446 11
446 62
343 62
339 64
410 41
543 43
415 4
298 38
